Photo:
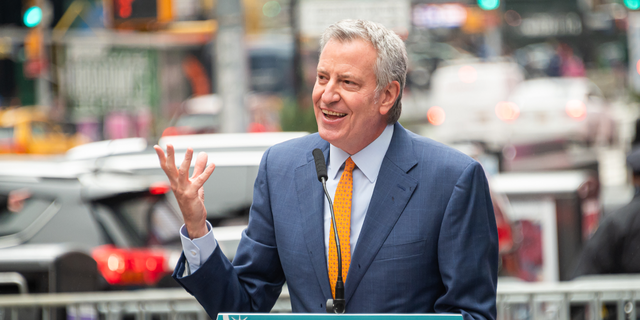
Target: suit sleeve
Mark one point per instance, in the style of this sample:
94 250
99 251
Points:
468 249
254 281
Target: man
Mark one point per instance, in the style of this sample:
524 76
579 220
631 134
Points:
615 246
421 236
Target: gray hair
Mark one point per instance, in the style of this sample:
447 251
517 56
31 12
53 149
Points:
391 61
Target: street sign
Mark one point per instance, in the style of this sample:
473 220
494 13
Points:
317 15
100 80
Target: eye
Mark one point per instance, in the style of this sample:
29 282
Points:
349 83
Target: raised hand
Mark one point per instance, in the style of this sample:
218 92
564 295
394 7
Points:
189 191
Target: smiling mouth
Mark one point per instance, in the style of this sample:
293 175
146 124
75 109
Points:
333 115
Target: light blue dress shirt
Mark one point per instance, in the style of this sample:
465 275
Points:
368 162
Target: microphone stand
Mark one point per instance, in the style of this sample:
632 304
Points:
336 305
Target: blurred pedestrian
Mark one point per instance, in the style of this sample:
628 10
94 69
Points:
572 65
615 246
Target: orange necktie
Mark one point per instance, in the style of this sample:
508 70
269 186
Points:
342 211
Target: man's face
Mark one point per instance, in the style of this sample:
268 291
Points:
348 114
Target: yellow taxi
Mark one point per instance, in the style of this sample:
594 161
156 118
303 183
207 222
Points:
29 130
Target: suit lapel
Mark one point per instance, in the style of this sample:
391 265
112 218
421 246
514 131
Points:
311 201
392 192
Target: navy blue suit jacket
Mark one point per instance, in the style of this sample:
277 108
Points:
429 242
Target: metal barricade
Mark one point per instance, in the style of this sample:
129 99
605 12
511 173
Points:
13 279
139 304
162 304
587 298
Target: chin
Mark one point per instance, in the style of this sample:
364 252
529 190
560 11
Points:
324 134
327 135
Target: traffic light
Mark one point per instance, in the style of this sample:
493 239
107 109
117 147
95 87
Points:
33 44
35 60
632 4
32 17
138 14
494 4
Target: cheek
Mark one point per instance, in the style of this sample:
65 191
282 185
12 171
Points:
316 111
316 93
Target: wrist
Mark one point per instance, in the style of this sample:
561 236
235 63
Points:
197 230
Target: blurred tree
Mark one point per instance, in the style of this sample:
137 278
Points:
296 118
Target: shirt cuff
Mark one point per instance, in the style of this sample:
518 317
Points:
197 251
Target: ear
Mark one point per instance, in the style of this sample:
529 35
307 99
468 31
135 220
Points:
388 96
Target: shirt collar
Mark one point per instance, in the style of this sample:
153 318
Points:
368 160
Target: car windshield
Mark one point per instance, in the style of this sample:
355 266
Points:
550 89
147 220
198 121
14 222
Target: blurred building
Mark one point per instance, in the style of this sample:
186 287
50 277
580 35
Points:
118 68
121 69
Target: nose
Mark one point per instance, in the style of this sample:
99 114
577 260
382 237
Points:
330 94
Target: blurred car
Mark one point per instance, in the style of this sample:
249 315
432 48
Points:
229 190
121 231
464 95
197 115
548 109
28 130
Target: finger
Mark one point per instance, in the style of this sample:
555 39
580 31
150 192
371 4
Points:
161 156
183 172
201 179
201 163
171 159
163 161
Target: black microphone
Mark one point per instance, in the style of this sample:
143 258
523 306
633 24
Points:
321 167
336 305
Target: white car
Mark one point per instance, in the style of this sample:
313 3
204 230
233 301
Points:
548 109
229 191
464 96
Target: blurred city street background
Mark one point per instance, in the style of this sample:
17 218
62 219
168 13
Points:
544 93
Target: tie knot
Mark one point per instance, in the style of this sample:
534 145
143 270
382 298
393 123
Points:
349 165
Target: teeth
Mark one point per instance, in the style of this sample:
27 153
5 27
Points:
331 113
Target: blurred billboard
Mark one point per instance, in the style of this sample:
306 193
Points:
103 79
316 15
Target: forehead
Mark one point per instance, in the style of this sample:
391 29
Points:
358 54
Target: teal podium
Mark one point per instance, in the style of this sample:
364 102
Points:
323 316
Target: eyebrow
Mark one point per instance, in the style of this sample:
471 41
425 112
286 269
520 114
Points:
346 75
